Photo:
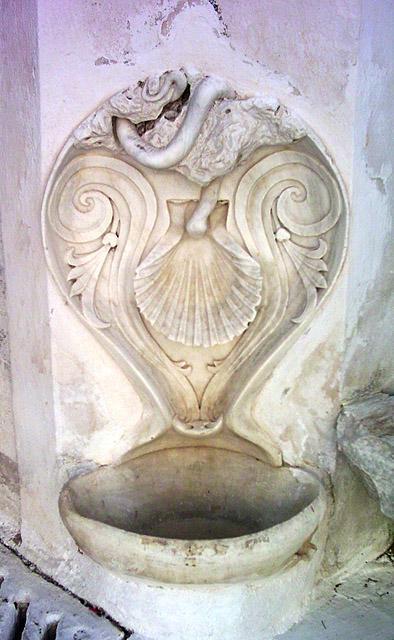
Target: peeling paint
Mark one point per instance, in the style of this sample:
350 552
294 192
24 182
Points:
219 13
103 60
168 21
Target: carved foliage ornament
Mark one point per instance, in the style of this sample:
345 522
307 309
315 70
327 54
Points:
218 266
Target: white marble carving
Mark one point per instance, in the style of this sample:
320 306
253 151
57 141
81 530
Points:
241 265
204 136
199 291
195 231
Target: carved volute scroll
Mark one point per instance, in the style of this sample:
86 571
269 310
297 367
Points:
195 231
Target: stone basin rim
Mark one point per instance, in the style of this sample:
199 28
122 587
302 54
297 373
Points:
66 504
298 474
212 559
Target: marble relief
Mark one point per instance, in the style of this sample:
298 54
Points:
199 275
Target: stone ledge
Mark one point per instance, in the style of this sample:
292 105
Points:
366 436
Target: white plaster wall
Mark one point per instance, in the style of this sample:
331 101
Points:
19 199
9 497
9 481
7 433
369 364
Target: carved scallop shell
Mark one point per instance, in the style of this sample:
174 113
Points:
198 291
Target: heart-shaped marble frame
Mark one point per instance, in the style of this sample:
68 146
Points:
287 209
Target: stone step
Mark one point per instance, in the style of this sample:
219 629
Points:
366 436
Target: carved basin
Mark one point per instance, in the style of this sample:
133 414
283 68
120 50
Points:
195 230
194 515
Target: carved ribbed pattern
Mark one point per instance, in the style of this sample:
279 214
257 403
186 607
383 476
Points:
201 292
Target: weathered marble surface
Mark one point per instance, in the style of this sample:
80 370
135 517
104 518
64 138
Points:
366 436
179 517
